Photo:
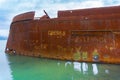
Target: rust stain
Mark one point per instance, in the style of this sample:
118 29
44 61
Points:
91 35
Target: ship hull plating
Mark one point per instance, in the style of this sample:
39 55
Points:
89 36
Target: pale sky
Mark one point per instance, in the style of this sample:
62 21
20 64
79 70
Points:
10 8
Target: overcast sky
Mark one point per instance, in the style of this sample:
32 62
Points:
10 8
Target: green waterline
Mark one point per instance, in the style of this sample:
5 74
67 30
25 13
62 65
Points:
29 68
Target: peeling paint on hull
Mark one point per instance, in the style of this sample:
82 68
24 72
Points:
91 35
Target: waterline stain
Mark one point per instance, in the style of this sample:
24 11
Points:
30 68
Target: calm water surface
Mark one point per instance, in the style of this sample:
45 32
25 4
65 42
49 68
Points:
29 68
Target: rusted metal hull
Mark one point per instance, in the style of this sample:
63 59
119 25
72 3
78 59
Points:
78 35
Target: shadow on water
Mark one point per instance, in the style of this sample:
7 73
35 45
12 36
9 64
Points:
29 68
45 69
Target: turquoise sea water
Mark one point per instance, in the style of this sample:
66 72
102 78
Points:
15 67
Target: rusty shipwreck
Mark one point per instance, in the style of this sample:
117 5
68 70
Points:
91 35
